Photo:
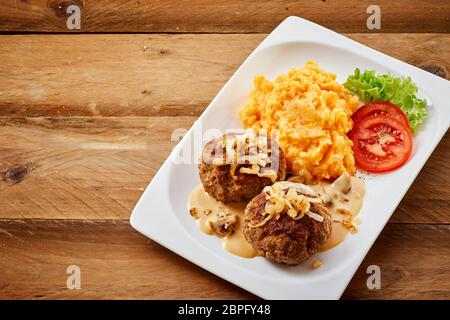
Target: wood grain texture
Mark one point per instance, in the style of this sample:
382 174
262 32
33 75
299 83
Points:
221 15
414 263
97 168
117 262
76 168
116 75
86 121
150 75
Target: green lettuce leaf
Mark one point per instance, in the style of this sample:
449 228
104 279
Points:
399 91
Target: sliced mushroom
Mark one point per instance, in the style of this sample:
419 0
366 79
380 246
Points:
343 183
326 198
223 223
194 213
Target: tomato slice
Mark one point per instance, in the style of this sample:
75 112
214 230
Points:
381 143
380 108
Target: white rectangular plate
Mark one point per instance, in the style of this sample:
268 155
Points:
162 215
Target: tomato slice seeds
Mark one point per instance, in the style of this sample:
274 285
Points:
381 143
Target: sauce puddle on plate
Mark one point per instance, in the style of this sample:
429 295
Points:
343 199
207 210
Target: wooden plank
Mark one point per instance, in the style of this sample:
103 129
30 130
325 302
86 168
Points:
117 262
414 264
151 75
116 75
79 168
97 168
221 15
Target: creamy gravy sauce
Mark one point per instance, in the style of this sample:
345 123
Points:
343 198
234 243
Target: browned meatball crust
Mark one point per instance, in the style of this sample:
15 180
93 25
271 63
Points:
285 240
219 183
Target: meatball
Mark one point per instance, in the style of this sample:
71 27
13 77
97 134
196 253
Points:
236 178
284 239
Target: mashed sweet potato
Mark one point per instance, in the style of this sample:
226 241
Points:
311 112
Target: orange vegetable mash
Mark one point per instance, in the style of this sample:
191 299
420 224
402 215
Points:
311 112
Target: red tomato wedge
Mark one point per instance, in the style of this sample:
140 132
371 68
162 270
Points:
381 143
380 108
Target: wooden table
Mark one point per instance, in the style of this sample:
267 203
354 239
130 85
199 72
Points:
86 119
